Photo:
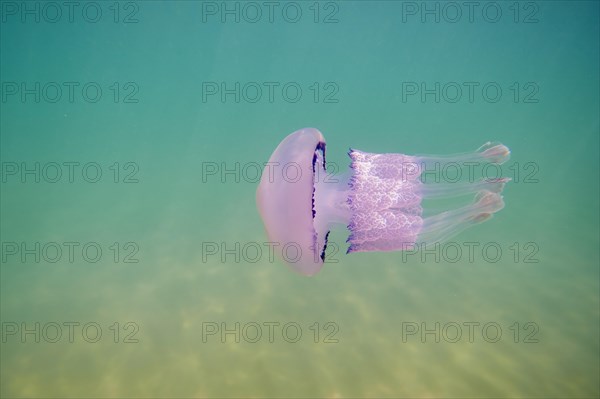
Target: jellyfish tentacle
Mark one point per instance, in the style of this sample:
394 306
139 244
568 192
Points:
490 152
446 190
441 227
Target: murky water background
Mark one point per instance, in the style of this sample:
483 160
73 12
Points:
182 246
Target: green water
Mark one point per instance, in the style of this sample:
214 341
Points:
159 122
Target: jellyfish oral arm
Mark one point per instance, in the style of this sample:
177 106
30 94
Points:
385 201
387 193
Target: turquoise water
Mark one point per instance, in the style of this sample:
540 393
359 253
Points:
186 266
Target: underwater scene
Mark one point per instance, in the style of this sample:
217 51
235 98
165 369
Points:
299 199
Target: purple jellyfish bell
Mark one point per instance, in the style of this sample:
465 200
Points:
379 199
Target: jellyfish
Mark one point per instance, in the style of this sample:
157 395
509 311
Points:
379 199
